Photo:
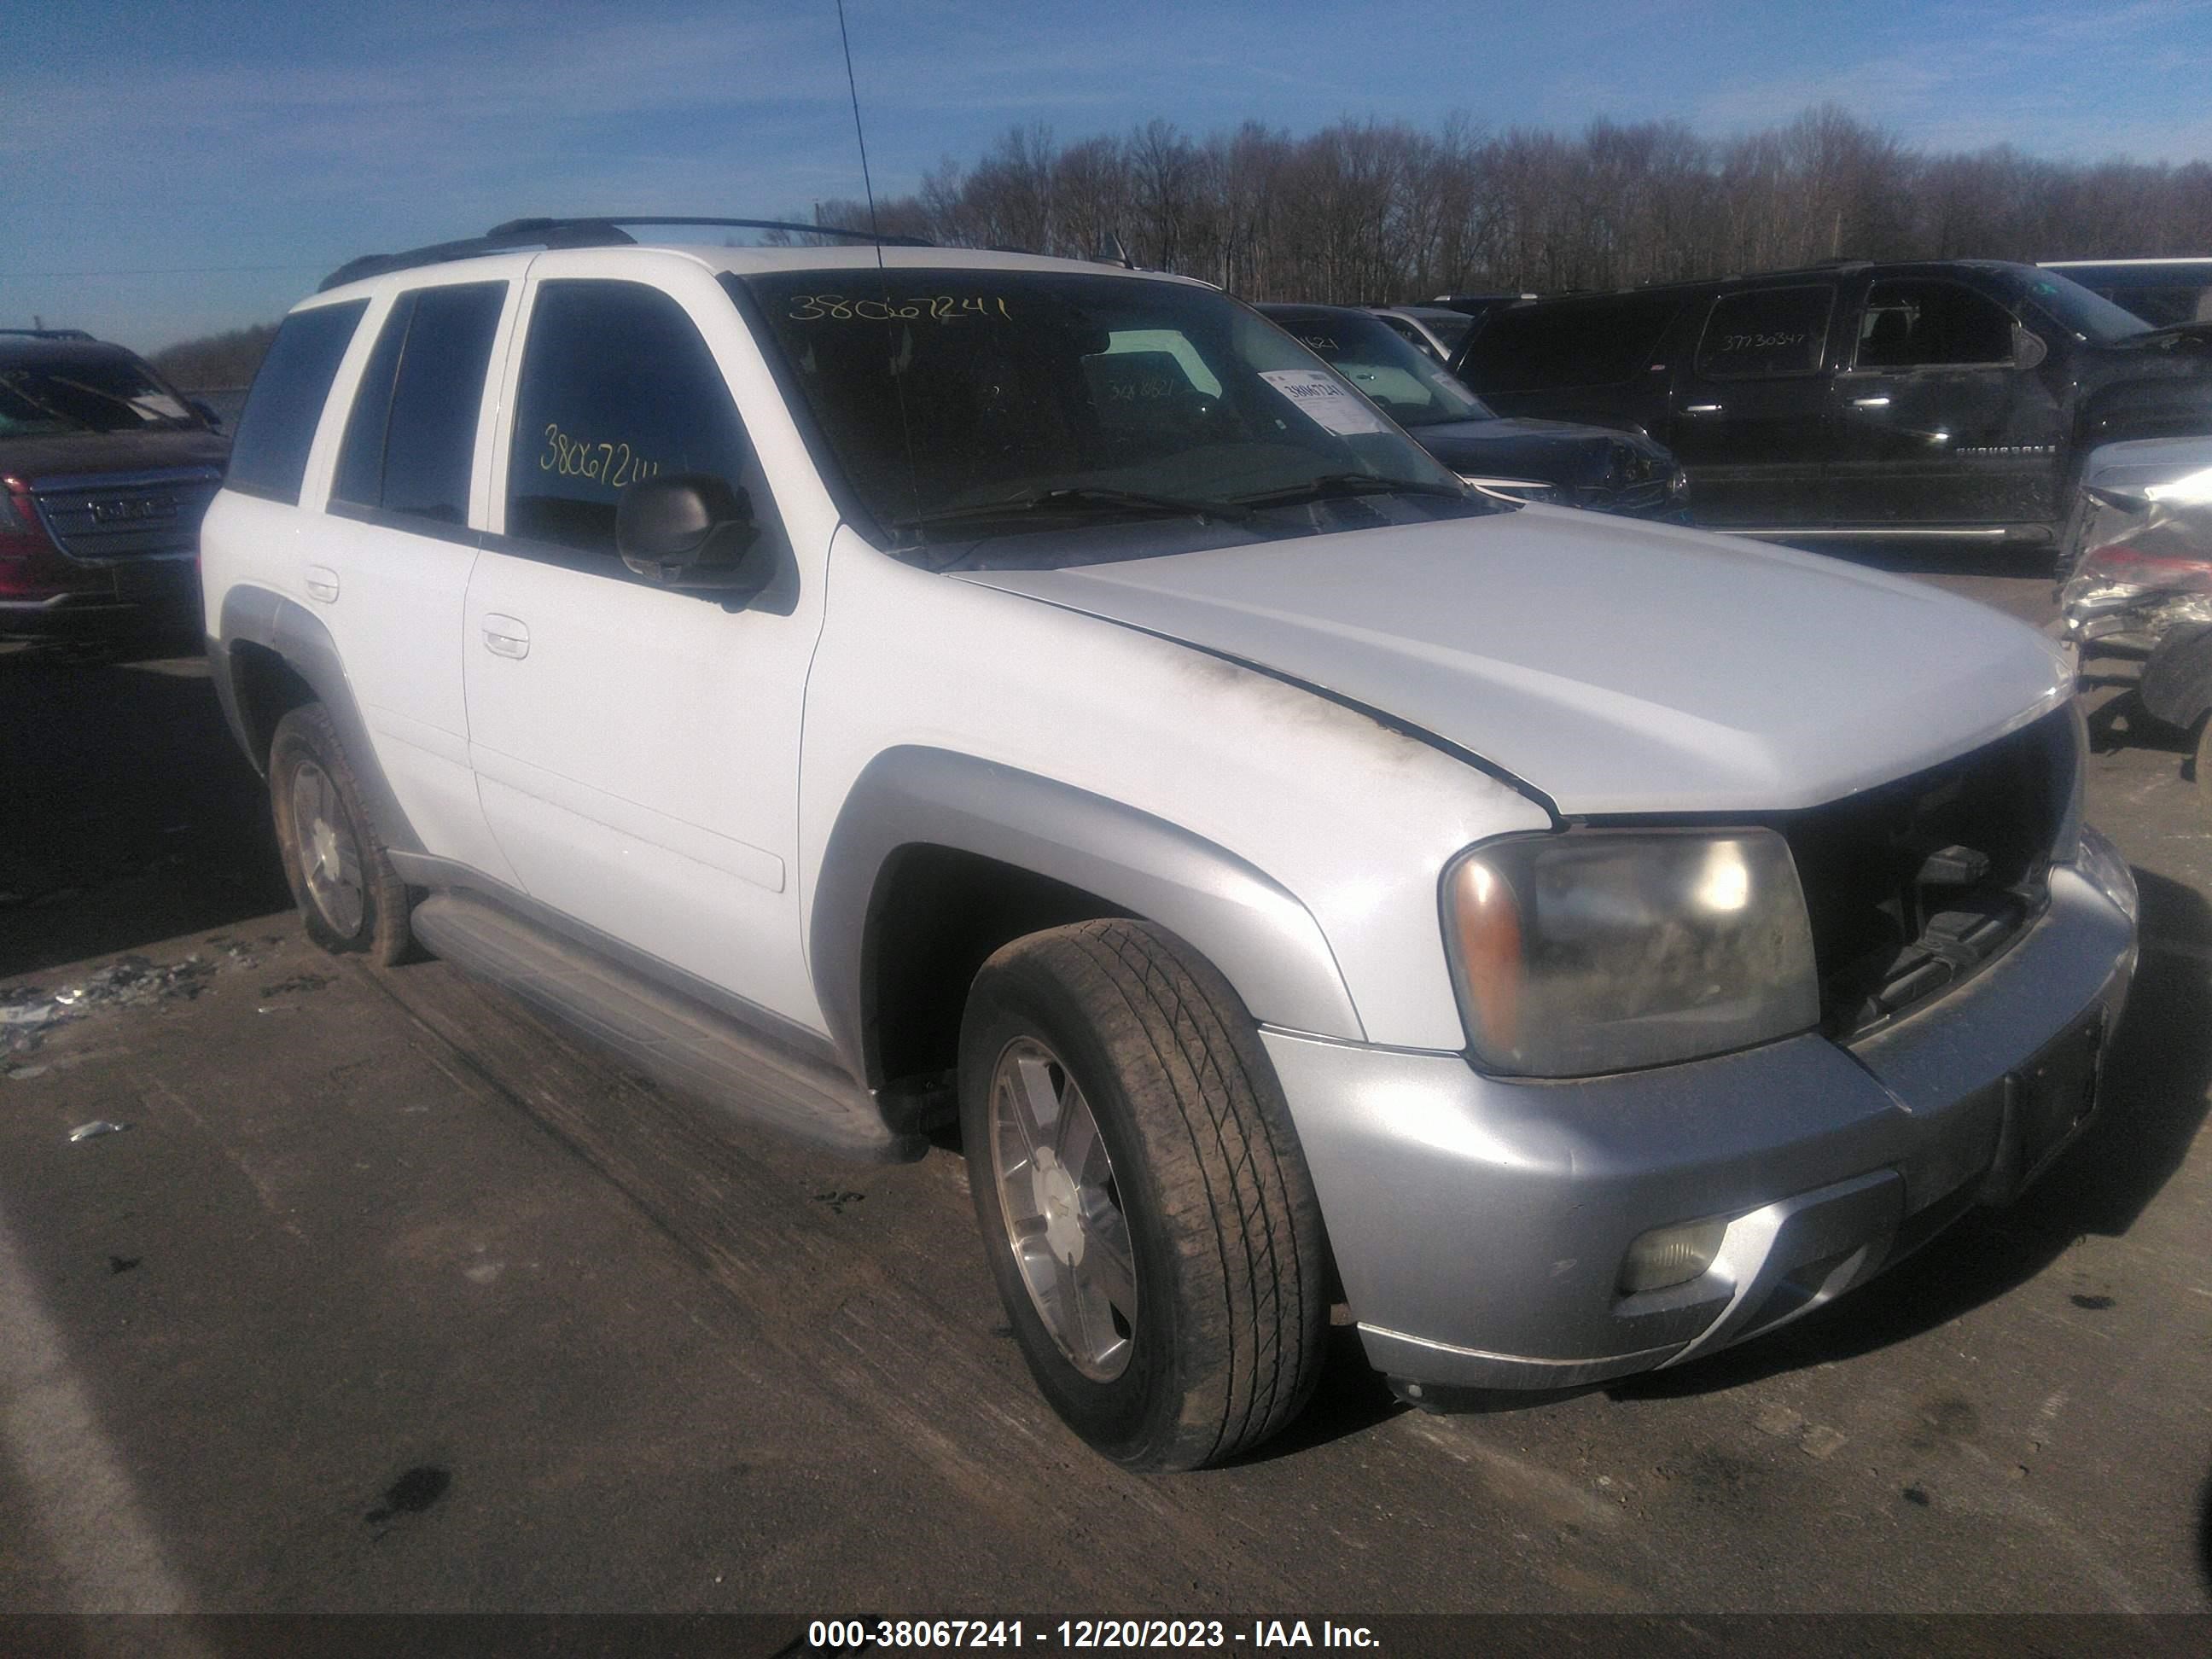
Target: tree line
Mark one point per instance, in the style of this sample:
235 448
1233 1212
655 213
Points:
1368 210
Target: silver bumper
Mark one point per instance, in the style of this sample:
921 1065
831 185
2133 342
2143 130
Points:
1479 1224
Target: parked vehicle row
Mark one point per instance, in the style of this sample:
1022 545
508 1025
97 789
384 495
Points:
1577 943
1952 399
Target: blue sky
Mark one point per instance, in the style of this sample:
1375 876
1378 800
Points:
176 168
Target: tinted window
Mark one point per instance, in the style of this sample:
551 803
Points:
1766 332
616 386
1911 324
411 443
269 456
1573 343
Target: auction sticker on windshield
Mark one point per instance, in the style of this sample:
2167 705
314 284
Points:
1336 409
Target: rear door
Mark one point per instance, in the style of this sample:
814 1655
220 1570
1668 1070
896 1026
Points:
1935 423
637 748
1751 419
388 569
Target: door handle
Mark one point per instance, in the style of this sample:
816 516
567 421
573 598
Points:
505 637
1701 409
1870 403
322 583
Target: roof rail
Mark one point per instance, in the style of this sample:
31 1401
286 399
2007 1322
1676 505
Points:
603 230
49 333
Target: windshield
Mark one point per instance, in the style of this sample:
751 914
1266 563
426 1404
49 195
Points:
965 403
2088 316
1450 327
89 393
1411 385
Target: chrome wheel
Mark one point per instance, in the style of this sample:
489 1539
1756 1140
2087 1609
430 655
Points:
329 857
1064 1219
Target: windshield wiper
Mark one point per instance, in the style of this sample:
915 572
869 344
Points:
1077 495
1340 486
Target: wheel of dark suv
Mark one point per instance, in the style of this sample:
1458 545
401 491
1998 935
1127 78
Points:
348 895
1148 1216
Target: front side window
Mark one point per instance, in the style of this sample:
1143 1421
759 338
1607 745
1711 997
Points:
1410 385
617 386
410 445
268 455
966 403
1916 325
1764 333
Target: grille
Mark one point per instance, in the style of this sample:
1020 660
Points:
1917 885
140 515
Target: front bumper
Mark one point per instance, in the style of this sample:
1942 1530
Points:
1479 1224
113 599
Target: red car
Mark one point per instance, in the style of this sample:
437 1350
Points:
105 472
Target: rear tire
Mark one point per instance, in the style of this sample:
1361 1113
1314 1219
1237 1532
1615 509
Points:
1164 1267
350 900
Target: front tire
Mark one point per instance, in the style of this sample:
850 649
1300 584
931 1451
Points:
350 900
1147 1213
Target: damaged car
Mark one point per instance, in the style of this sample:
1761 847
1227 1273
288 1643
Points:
1529 460
2138 578
1568 943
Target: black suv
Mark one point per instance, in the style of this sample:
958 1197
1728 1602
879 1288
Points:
1943 398
105 472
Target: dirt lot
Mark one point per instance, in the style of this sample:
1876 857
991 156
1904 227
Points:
389 1297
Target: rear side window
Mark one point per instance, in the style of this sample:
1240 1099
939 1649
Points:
1765 332
617 386
1914 325
269 454
1575 343
410 445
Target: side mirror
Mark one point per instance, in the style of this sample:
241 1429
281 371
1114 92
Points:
693 532
2028 350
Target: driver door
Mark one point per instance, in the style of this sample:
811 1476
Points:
637 748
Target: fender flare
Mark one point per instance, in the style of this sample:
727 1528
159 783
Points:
256 615
1262 938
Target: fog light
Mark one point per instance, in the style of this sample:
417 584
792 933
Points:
1668 1256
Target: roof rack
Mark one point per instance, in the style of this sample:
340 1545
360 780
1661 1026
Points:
603 230
49 333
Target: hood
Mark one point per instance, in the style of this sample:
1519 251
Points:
1555 452
76 453
1616 667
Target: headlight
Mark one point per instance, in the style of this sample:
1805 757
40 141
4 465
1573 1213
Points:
1602 950
1519 491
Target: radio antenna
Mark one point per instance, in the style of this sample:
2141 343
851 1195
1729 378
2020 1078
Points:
852 86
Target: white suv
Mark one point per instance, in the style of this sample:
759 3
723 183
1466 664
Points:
858 679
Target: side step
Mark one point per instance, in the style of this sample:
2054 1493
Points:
679 1043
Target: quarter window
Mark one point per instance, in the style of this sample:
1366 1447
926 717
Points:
269 454
410 445
1917 325
1766 332
1573 343
617 386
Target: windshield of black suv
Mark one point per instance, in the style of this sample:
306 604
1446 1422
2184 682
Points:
54 393
968 404
1412 386
2090 316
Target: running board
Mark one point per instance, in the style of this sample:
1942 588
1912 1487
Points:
679 1043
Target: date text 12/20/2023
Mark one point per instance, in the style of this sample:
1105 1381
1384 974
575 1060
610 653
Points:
1263 1635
